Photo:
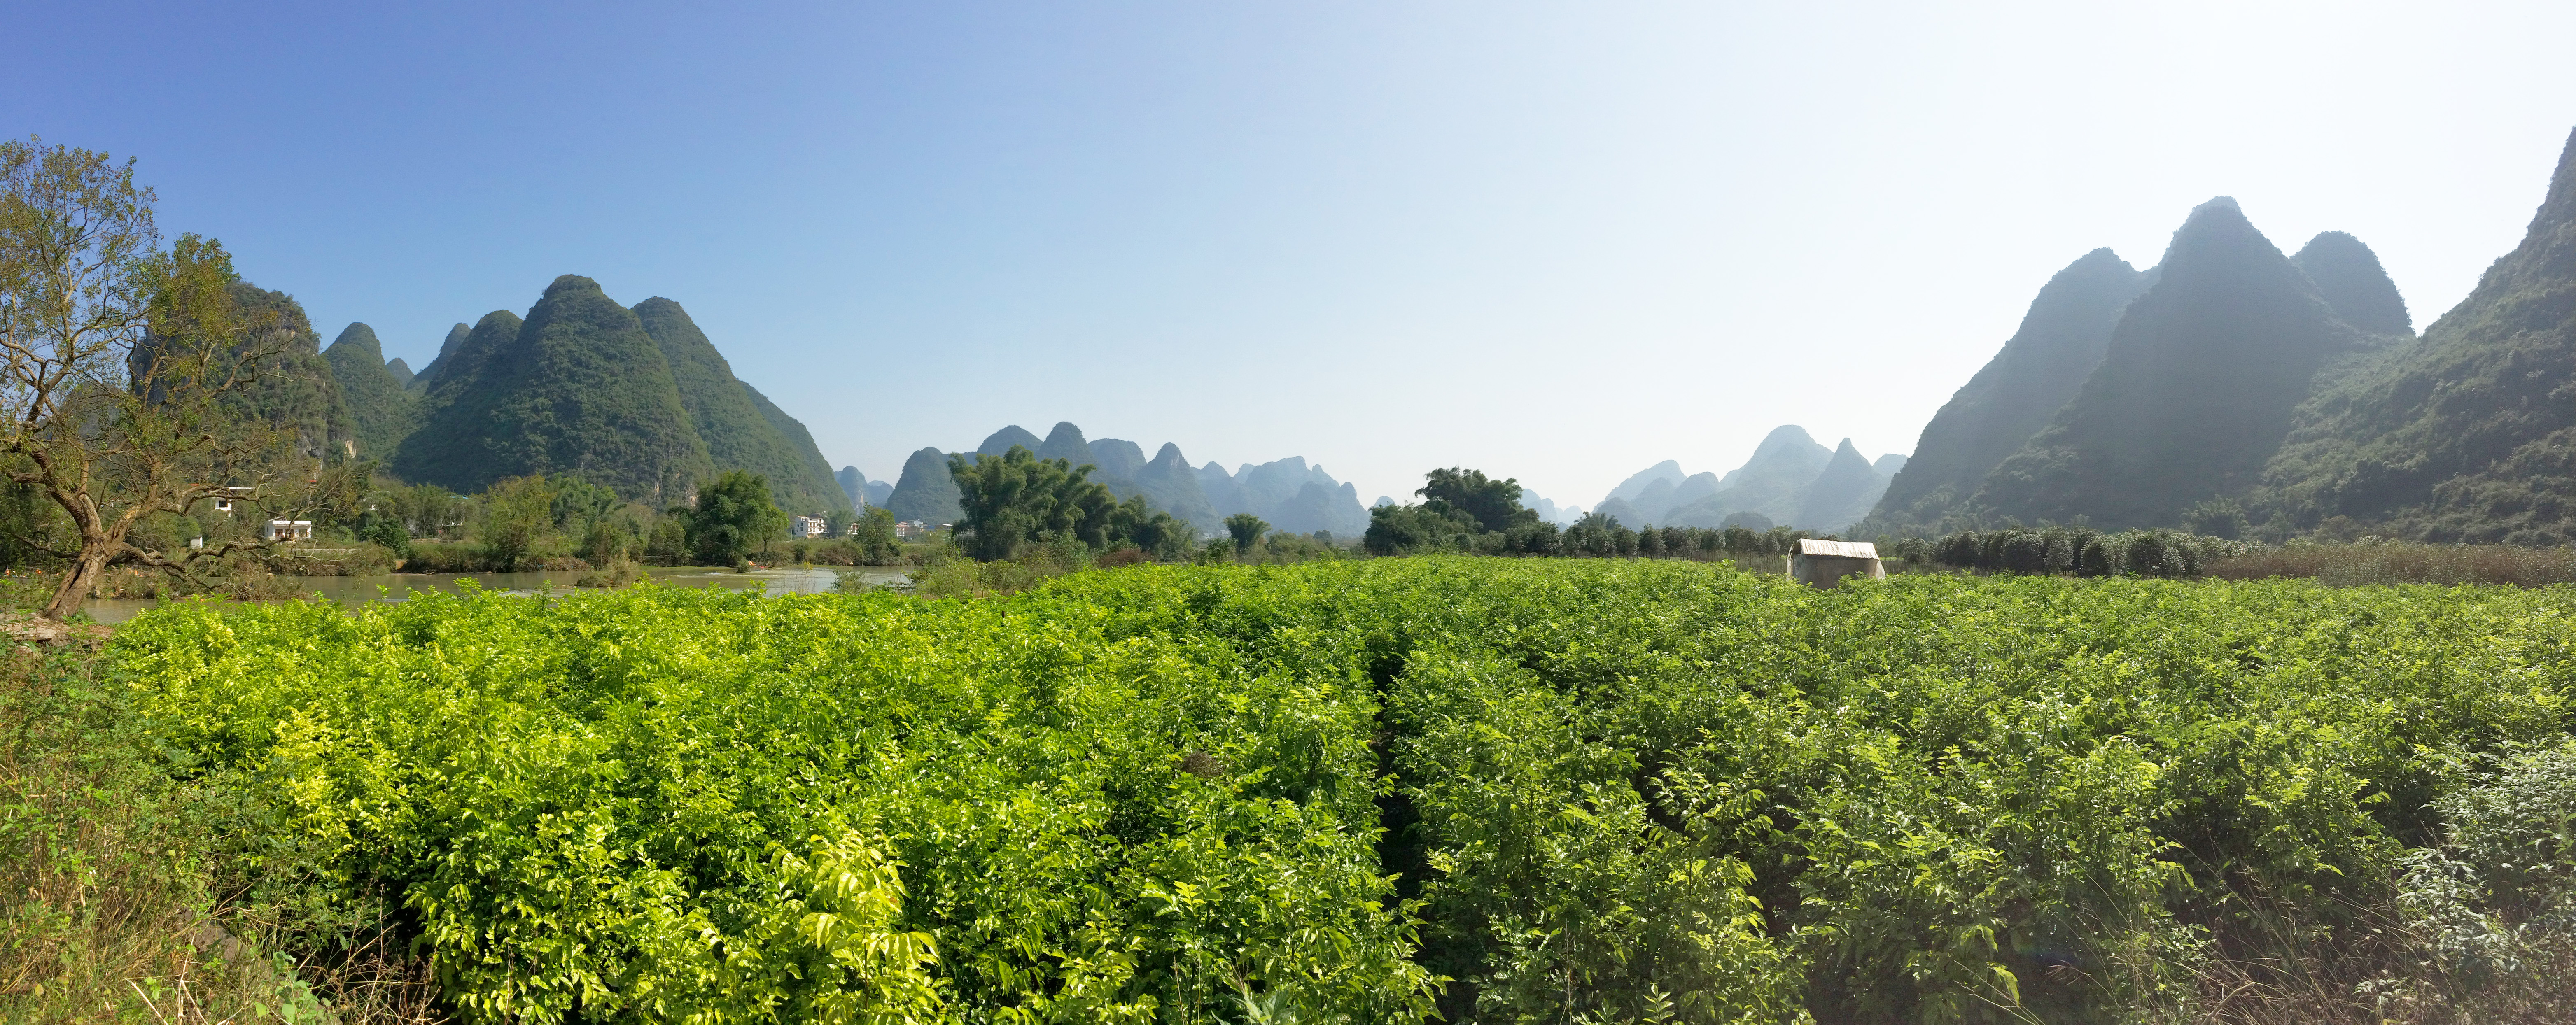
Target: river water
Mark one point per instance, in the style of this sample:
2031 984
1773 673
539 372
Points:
398 586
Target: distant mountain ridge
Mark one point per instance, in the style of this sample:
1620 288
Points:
2060 341
380 411
1789 480
1289 494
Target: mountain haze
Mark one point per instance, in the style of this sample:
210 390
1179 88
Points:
2195 391
2470 433
2061 340
2353 284
1790 479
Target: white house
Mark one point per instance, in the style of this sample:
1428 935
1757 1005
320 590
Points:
805 526
1825 563
289 530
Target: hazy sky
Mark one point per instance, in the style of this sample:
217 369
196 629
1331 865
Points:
1555 241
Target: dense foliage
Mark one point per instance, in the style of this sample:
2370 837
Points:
1018 498
2081 551
734 517
1512 790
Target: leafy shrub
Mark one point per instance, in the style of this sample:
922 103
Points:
1513 790
2493 907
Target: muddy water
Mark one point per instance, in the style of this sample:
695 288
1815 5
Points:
398 586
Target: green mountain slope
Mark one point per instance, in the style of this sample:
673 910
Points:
401 371
439 364
581 388
1842 492
2195 391
730 418
297 389
925 491
801 441
379 410
1067 443
2469 434
2061 340
1002 440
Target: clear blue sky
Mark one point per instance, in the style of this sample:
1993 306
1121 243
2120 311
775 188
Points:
1557 241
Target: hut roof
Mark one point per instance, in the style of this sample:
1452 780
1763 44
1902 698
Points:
1842 549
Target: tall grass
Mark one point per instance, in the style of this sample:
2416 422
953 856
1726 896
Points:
128 897
101 880
2351 565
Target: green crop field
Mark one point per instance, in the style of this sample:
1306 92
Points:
1494 790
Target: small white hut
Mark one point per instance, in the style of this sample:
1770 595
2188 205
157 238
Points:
1825 563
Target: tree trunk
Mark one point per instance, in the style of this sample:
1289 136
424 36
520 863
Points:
83 576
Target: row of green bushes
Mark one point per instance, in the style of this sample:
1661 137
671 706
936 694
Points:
2080 551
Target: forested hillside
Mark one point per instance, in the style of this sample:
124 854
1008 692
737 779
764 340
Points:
734 421
297 390
380 411
2353 284
635 399
428 374
2285 395
578 388
2469 434
2195 390
924 491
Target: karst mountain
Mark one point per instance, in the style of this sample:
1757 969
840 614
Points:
1790 480
2184 398
2468 434
2061 340
1291 495
636 399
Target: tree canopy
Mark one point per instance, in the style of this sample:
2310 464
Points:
1017 498
734 517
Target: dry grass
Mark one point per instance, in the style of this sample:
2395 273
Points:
100 882
2351 565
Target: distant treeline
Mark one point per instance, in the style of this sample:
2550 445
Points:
2081 551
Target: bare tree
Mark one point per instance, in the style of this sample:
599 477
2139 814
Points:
121 367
